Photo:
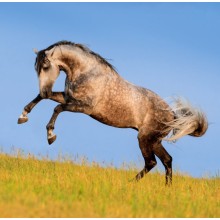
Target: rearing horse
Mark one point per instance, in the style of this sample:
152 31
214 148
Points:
93 87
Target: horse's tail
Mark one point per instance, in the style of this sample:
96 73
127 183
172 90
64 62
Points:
188 120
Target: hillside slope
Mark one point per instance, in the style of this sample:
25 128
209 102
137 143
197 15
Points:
43 188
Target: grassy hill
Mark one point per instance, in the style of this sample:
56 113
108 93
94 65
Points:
41 188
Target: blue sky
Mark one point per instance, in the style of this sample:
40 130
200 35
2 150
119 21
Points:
170 48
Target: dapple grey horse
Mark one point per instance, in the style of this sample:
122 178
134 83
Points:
93 87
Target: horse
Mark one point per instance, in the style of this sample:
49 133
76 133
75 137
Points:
94 87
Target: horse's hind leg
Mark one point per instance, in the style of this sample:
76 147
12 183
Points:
166 159
146 142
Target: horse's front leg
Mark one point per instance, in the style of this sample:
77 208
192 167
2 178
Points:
80 107
51 137
27 109
56 96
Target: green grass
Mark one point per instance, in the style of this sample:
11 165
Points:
41 188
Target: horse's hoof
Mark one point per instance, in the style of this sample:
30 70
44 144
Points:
133 180
22 120
51 139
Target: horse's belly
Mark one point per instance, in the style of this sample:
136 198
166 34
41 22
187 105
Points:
115 117
114 123
117 107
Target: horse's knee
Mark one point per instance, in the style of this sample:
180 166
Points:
58 109
150 164
154 163
168 160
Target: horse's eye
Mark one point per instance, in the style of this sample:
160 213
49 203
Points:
45 68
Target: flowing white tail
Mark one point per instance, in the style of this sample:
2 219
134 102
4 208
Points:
188 121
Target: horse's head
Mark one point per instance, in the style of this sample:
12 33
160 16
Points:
47 71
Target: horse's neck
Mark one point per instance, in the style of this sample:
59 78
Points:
72 61
75 62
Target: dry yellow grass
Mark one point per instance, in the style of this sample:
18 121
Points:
42 188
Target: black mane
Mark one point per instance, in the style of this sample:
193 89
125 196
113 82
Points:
41 53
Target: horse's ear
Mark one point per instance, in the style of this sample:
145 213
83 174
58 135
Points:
35 51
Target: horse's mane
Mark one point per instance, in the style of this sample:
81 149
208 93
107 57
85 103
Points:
83 48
